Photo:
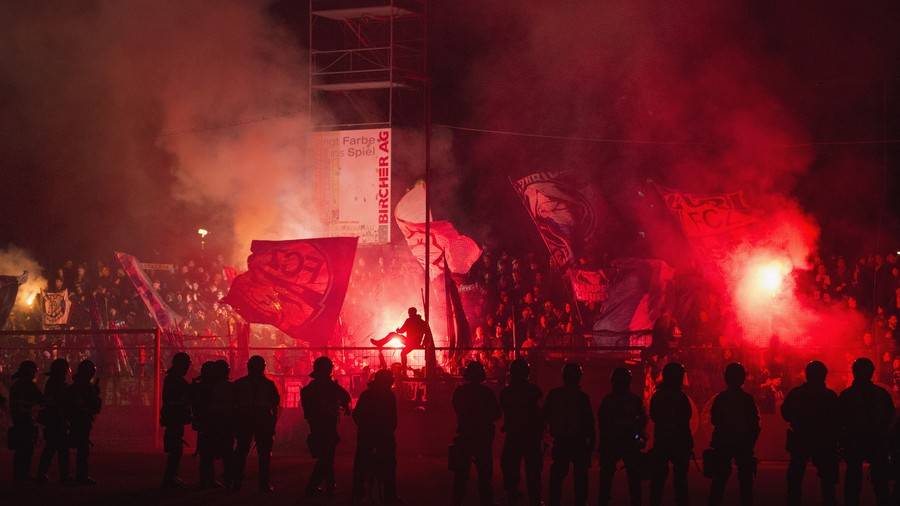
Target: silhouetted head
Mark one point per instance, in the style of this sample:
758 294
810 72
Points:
86 371
673 375
412 312
59 369
474 372
620 379
27 370
519 370
572 373
735 374
256 365
181 363
816 372
863 369
322 368
382 379
223 370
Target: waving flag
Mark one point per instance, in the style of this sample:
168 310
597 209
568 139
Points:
165 318
9 287
298 286
704 215
563 208
459 250
636 295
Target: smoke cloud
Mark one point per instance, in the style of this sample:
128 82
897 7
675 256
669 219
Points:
703 99
125 105
13 262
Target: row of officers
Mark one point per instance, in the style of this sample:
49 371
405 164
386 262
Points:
229 417
825 427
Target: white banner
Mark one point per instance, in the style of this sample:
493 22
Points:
352 177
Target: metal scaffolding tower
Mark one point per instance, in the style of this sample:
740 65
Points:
367 63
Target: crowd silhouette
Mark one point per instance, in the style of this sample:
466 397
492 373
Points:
856 427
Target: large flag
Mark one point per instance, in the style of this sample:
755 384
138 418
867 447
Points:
636 295
458 332
9 288
459 250
298 286
564 209
705 215
56 307
166 319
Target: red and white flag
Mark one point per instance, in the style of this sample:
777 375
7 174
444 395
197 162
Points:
298 286
165 318
447 244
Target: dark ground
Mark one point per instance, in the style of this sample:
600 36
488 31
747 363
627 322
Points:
131 479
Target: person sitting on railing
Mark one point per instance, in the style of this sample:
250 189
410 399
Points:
416 332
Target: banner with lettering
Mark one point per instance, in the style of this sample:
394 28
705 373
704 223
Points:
297 286
705 215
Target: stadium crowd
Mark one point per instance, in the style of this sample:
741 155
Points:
519 302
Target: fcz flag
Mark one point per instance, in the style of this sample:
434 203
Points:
298 286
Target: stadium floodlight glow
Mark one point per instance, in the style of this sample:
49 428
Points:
202 232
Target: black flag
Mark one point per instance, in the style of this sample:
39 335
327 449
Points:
9 287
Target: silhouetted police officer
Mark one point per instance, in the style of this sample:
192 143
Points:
174 414
671 413
866 413
376 449
82 406
218 428
570 419
52 416
322 400
523 424
476 410
622 434
201 397
24 396
812 410
735 421
257 402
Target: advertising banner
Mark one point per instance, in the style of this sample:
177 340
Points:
352 172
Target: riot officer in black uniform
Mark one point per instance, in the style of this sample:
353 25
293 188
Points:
735 421
52 417
570 419
622 430
24 396
322 400
174 414
218 428
476 410
812 411
523 423
866 413
82 406
376 449
257 403
671 413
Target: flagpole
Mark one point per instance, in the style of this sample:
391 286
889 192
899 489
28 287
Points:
427 114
